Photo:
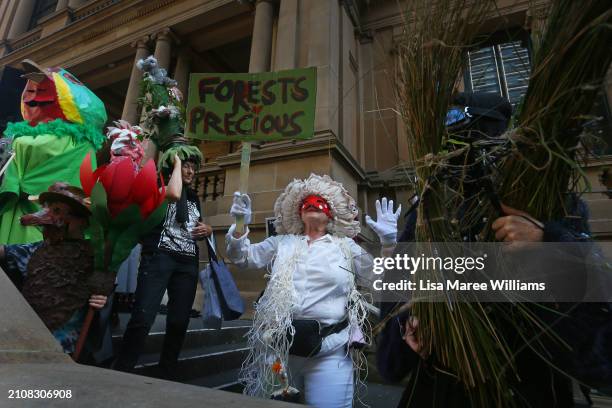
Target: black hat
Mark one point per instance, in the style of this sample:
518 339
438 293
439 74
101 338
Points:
489 113
486 104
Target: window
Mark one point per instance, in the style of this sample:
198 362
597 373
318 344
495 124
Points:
42 8
502 68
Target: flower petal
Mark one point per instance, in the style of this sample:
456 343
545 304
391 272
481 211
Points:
106 178
148 207
86 175
145 184
123 180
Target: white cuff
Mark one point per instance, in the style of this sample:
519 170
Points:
237 248
388 239
230 238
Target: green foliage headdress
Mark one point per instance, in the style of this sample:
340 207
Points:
164 114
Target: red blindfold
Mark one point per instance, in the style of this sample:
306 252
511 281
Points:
316 203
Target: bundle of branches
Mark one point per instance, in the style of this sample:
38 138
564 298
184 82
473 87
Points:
461 335
464 337
569 65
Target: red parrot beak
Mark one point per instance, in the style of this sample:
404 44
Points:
42 217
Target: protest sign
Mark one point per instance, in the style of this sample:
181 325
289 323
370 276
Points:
267 106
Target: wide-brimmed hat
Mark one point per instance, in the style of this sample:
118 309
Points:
65 193
344 222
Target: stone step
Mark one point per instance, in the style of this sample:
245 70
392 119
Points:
197 363
600 207
601 227
225 381
159 325
210 357
599 402
195 338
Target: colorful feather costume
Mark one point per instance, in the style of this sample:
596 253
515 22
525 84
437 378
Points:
63 122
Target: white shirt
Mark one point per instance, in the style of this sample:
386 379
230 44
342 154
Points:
322 277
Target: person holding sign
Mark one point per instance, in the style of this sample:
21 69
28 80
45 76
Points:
311 308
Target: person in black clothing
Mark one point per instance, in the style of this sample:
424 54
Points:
539 385
169 261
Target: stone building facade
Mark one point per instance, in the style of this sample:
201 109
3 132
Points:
358 132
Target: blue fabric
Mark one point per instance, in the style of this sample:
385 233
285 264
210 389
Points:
231 302
18 255
212 316
68 334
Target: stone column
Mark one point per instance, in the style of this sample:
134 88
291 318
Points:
536 23
286 35
261 44
130 106
163 48
22 17
163 53
324 53
182 70
61 4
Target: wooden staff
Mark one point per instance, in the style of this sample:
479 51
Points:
91 311
245 162
83 335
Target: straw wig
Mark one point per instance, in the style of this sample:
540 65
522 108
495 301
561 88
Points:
344 211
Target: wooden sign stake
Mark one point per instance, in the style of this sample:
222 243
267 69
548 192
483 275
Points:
245 163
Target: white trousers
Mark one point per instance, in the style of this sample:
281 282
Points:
325 380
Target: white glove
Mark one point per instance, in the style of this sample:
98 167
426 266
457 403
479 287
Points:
385 225
241 206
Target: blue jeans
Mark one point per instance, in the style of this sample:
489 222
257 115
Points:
160 271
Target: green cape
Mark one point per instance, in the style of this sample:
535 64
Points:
39 161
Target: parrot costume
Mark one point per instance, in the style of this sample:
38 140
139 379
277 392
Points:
63 122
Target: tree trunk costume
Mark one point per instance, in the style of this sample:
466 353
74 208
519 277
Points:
64 121
57 282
